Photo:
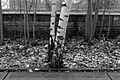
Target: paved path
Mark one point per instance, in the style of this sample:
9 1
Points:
3 75
59 76
56 76
114 76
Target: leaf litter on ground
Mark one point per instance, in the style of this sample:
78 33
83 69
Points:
78 54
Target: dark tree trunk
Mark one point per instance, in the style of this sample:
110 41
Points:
109 25
21 19
27 20
102 25
35 8
88 21
25 36
95 20
110 21
1 24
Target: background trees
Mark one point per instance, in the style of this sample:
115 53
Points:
94 6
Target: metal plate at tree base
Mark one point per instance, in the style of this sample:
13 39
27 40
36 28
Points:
114 75
56 76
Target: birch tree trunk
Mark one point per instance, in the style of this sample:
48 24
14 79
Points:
53 18
88 26
1 24
61 30
63 21
52 30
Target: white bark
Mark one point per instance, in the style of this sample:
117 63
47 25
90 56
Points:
63 21
53 17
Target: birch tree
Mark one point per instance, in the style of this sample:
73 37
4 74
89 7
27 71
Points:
53 18
1 24
61 30
52 29
63 21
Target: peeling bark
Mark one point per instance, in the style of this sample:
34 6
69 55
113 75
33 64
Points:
53 18
63 21
61 32
52 31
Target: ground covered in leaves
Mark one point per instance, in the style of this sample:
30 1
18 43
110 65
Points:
97 54
16 55
78 54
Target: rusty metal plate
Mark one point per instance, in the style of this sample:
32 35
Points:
114 75
56 76
2 75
